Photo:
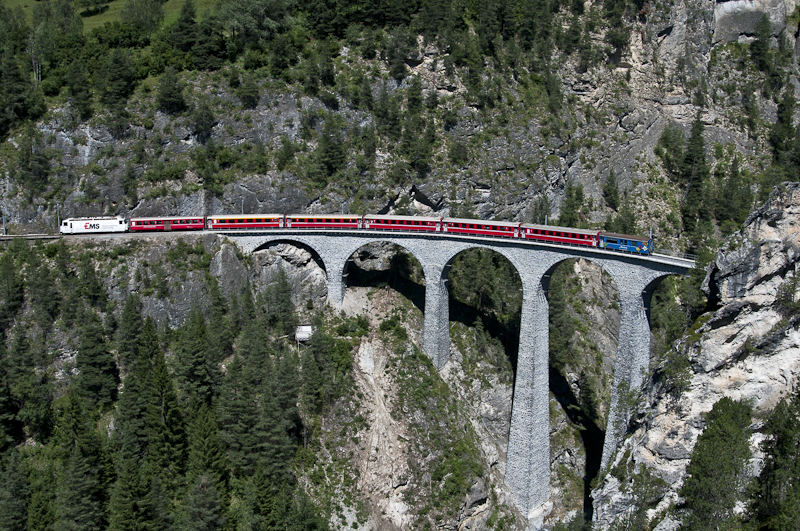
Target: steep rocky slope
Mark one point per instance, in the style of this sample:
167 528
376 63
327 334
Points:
746 349
683 60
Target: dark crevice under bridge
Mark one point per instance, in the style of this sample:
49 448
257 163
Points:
528 456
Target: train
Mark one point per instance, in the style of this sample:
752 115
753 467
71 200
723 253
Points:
373 222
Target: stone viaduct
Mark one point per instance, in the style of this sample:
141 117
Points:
528 456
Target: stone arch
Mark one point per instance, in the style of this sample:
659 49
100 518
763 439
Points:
295 243
351 249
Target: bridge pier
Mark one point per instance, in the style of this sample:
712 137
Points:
633 360
528 458
436 324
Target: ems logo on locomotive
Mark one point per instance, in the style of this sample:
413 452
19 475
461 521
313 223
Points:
91 226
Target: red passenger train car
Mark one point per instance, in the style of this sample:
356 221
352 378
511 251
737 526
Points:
323 221
253 221
404 223
167 224
478 227
559 235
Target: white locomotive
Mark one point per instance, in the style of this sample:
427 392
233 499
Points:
92 225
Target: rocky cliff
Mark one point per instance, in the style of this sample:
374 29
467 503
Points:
748 348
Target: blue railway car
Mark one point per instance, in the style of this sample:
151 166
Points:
626 243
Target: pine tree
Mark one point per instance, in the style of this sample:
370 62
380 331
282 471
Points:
238 413
716 473
131 508
311 397
79 508
14 493
11 291
611 191
30 392
77 81
145 15
42 503
130 328
165 425
203 121
115 79
199 374
206 451
99 377
10 428
170 94
248 93
571 207
184 31
695 174
204 509
130 430
220 342
33 164
91 287
776 498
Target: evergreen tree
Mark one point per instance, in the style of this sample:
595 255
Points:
311 397
11 291
760 47
15 88
209 51
184 32
10 429
77 81
330 149
776 491
14 493
571 207
91 287
199 374
695 174
79 508
203 121
611 191
145 15
782 133
99 377
206 451
115 79
33 164
130 508
248 92
170 94
716 472
30 392
42 502
220 342
238 414
165 426
130 430
130 328
204 509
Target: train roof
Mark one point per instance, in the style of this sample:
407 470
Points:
481 221
245 216
166 218
559 229
321 216
628 236
90 218
412 218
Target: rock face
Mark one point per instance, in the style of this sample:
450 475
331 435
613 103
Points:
746 350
